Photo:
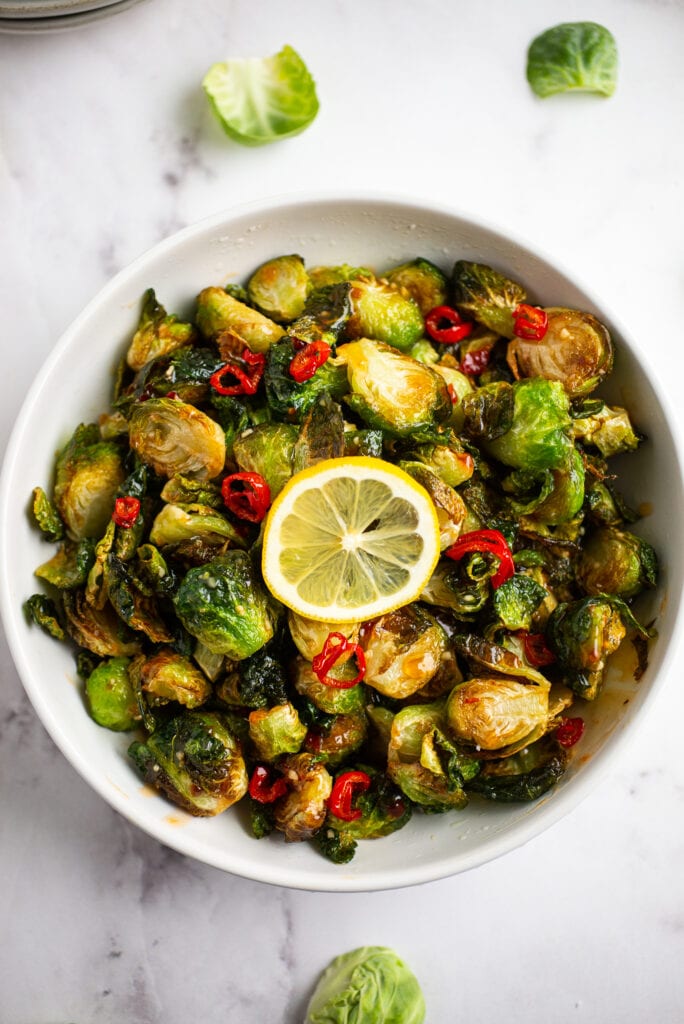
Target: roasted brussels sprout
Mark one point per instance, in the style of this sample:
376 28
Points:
614 561
42 611
267 449
336 740
157 334
279 288
301 812
329 699
483 294
391 391
112 701
582 635
382 312
527 775
176 438
609 429
538 435
422 281
310 635
99 630
195 760
326 315
224 604
559 492
168 675
403 651
89 473
576 350
516 601
449 505
275 731
383 809
324 277
289 398
46 515
175 524
451 462
217 311
491 713
69 567
186 372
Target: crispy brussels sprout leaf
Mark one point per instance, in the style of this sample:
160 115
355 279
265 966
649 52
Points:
258 681
370 985
99 630
261 100
225 605
321 435
195 760
325 315
483 294
174 437
524 776
42 610
175 524
182 490
46 515
279 288
69 567
573 56
111 698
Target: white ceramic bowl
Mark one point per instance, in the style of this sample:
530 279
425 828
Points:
74 386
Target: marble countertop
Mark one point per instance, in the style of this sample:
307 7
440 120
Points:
107 146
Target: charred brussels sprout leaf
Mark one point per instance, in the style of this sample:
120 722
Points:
577 55
321 435
224 604
186 373
380 311
562 499
488 411
291 399
217 311
43 611
325 315
175 524
99 630
260 100
279 288
46 515
195 760
88 474
174 437
516 601
483 294
368 985
111 698
422 281
576 350
384 810
524 776
259 682
391 391
614 561
157 333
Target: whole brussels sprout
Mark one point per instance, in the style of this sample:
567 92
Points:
382 312
168 675
492 713
176 438
368 985
483 294
615 561
403 651
195 760
301 812
391 391
89 473
275 731
279 288
576 350
111 698
422 281
582 634
224 604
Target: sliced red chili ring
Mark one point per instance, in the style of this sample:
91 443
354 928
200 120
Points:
126 511
247 382
335 646
530 322
345 788
246 495
475 361
263 788
570 731
537 651
309 359
491 541
445 325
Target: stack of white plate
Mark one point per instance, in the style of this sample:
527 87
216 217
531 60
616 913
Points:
50 15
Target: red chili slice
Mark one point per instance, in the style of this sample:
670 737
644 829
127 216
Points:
530 322
247 381
491 541
335 646
345 788
126 511
262 789
537 651
308 360
246 495
570 731
445 325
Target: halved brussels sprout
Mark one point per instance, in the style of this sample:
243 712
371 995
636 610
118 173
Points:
338 739
384 810
491 713
46 515
176 438
217 311
225 605
279 288
329 699
325 276
538 435
89 473
615 561
195 760
168 675
450 461
175 524
459 586
459 386
576 350
582 634
267 449
380 311
422 281
301 812
403 651
391 391
182 490
610 430
111 698
157 333
487 658
310 635
275 731
562 494
99 630
483 294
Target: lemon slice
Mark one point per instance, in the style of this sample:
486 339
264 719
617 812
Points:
350 539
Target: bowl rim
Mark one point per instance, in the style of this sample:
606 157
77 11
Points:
274 873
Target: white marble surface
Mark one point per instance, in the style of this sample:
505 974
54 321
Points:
107 146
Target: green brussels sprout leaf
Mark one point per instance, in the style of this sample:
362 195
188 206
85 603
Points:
573 56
